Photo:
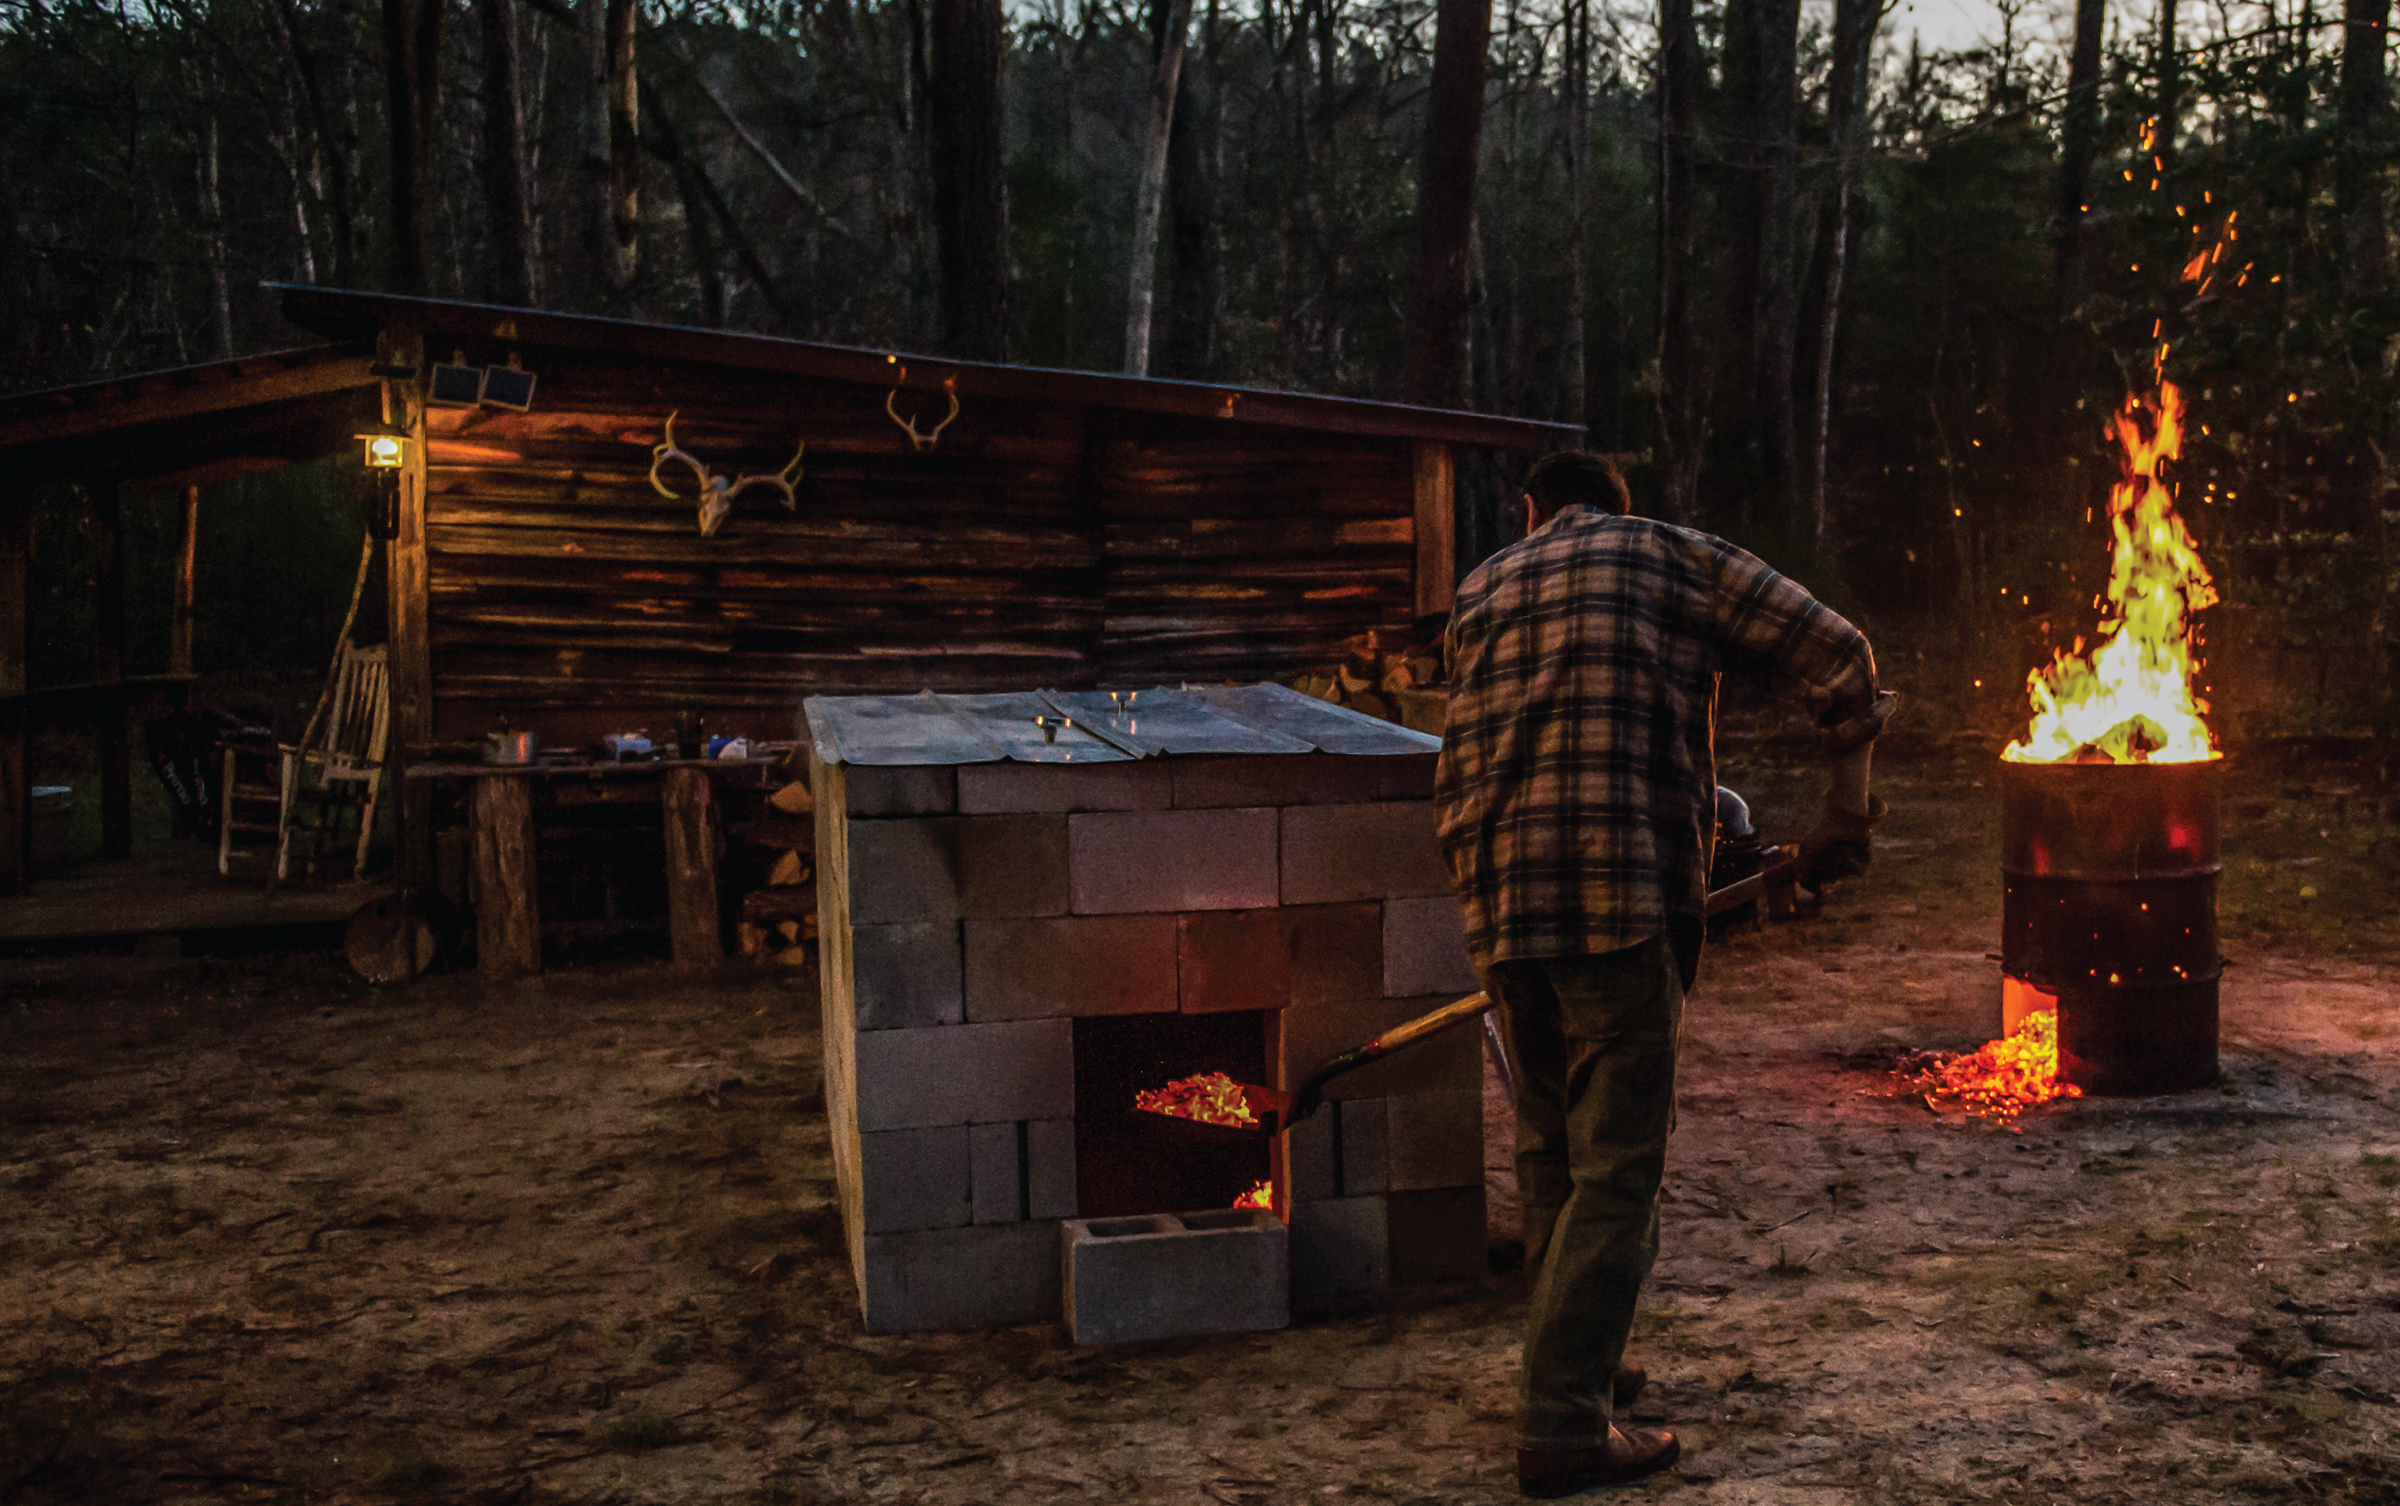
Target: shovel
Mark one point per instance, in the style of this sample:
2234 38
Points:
1276 1111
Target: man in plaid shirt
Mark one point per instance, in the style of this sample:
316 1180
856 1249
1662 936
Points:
1577 804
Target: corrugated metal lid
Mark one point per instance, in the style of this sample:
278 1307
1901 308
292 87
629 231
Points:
1094 726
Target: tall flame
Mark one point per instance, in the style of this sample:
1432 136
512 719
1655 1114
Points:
2132 701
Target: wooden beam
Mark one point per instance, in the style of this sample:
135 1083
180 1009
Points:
1437 537
104 407
186 554
687 806
16 775
408 593
508 917
107 519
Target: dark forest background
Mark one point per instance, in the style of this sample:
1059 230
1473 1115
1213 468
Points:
1860 305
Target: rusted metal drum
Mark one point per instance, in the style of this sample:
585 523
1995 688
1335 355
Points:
2110 883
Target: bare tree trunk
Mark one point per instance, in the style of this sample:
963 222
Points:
1436 370
412 46
1576 123
2079 141
595 207
2363 122
1169 19
1776 323
970 205
2170 87
212 223
508 210
1678 377
624 149
1855 23
1196 264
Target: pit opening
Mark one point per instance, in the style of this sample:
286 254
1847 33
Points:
1129 1163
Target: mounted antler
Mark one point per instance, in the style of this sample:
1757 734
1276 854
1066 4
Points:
717 492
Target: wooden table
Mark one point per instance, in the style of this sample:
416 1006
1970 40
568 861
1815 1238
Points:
508 923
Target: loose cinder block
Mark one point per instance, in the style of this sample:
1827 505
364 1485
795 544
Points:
1005 788
1119 862
906 975
1366 1145
1436 1235
911 790
1070 965
1302 779
965 1074
1435 1140
1381 851
1339 1246
1425 947
1012 866
1165 1275
1050 1168
914 1179
985 1276
1308 1036
1311 1169
996 1170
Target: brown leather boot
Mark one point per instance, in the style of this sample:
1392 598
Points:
1630 1454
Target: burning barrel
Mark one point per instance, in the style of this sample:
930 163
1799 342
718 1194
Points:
2110 879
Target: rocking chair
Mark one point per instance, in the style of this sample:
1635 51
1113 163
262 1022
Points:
336 767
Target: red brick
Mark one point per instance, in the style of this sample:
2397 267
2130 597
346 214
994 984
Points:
1070 965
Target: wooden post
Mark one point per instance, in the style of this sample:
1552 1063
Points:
1436 529
408 588
108 639
16 775
186 554
687 805
508 919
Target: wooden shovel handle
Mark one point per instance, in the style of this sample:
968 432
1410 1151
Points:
1422 1026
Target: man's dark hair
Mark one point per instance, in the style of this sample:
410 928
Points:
1571 476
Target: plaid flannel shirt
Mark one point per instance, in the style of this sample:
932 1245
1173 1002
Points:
1577 787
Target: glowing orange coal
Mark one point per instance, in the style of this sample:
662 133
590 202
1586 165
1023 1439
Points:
1261 1196
1998 1082
2131 701
1210 1097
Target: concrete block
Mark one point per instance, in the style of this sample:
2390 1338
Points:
1365 1140
995 1154
1050 1168
1070 965
1336 951
1436 1140
1437 1235
914 1179
1340 1246
906 975
1381 851
1312 1170
965 1074
987 1276
1163 1275
1302 779
1012 866
1005 788
903 870
1308 1036
1425 947
1262 959
909 790
1171 860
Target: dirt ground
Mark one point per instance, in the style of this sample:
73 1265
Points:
269 1236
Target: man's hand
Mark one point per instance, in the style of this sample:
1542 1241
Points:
1843 843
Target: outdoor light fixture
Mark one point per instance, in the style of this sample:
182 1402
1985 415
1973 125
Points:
386 447
386 453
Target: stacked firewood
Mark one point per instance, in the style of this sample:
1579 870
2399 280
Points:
1385 674
779 920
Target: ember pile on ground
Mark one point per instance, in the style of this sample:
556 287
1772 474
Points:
274 1237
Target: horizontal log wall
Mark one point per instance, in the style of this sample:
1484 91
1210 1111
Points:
1035 545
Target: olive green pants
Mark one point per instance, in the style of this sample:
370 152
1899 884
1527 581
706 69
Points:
1592 1047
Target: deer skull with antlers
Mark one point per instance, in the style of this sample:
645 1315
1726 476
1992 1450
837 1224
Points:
717 492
